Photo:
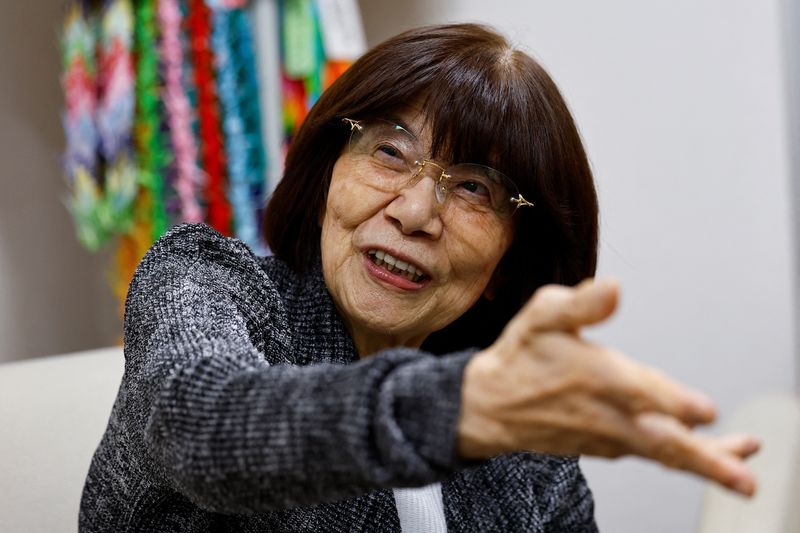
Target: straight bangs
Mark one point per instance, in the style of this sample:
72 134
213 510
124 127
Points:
474 118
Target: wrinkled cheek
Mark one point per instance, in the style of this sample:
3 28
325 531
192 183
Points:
478 252
346 205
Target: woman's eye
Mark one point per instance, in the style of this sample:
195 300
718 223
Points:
389 156
388 150
475 188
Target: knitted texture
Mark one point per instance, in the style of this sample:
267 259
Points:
244 407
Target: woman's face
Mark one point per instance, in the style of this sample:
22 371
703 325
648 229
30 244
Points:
455 250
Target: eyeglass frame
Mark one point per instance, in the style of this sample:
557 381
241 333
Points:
518 201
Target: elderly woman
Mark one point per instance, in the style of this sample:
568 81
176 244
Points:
390 368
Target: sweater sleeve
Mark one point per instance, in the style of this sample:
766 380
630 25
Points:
238 435
570 505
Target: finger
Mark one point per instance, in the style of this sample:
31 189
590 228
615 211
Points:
639 388
672 444
741 445
557 307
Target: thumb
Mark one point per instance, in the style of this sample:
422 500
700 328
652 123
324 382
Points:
557 307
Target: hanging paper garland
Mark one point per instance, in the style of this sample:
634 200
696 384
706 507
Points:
78 45
98 84
232 43
115 113
249 104
236 148
115 116
187 179
115 80
80 158
211 144
150 149
149 214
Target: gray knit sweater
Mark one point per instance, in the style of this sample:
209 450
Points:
244 407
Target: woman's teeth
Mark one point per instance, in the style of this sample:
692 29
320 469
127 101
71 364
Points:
402 268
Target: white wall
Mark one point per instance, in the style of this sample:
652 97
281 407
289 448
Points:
683 109
53 294
791 43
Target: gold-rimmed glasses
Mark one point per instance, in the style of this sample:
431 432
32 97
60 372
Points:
392 158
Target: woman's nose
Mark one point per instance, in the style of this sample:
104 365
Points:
415 209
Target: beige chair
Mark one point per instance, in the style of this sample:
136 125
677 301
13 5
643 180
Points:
53 412
776 506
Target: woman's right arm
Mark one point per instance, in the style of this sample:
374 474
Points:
542 387
236 434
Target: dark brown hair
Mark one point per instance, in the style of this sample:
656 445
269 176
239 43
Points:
486 103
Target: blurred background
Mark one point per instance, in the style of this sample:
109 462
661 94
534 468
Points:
689 112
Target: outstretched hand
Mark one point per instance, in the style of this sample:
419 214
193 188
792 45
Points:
543 387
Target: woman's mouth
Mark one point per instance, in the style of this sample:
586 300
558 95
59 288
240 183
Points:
396 266
390 270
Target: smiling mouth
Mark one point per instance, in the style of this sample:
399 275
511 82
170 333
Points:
396 266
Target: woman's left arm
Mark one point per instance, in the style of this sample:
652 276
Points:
202 410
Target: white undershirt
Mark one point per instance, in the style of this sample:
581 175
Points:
421 510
